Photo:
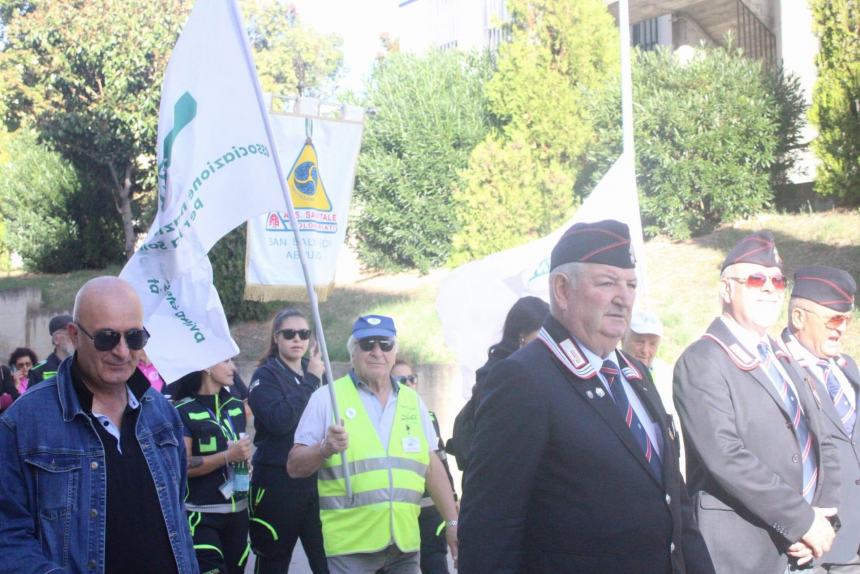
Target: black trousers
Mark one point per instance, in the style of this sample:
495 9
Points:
281 515
220 541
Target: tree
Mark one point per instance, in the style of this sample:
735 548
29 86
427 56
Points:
51 220
836 99
291 59
86 76
712 135
558 50
429 116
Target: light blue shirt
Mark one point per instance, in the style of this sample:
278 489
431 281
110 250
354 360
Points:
318 415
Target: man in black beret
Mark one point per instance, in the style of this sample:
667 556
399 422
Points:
819 313
574 464
761 466
63 348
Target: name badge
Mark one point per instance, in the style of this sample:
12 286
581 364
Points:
226 489
411 444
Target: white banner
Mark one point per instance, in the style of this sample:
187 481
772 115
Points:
474 299
215 171
322 154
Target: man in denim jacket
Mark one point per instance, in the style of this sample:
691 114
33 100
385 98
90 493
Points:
92 462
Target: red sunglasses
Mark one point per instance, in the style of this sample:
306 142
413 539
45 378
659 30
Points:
832 322
758 280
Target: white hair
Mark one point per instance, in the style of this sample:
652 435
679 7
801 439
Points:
573 271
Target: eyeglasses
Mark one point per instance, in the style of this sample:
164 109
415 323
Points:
832 322
758 280
289 334
385 344
107 339
407 379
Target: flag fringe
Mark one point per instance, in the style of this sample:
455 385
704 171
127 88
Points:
267 293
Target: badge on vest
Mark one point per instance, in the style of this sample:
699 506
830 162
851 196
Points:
349 413
411 444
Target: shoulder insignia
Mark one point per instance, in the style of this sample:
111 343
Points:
631 373
739 356
568 354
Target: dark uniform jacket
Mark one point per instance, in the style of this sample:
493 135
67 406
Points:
557 483
847 541
278 397
744 468
211 421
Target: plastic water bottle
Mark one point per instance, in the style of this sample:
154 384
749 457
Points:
241 480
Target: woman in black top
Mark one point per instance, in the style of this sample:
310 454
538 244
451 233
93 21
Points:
283 509
522 325
218 452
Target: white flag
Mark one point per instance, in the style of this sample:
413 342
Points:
322 151
215 171
474 299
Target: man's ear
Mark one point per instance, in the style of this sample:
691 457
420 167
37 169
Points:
725 291
558 285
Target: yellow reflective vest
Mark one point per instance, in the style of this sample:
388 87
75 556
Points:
387 483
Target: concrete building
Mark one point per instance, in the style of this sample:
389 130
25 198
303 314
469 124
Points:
451 24
774 31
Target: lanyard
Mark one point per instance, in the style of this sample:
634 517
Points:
229 430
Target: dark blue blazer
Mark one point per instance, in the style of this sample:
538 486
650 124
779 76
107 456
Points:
556 483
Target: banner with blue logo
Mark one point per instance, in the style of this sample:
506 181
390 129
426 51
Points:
319 144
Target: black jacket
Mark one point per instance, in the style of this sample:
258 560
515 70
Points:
277 397
210 422
556 483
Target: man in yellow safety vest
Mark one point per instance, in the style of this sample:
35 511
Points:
385 434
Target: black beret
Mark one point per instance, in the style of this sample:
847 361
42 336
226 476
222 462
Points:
758 248
58 322
827 286
606 242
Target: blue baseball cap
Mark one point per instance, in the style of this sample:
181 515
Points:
373 326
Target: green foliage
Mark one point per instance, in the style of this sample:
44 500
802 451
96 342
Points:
86 76
707 135
429 116
290 59
836 99
228 270
54 222
523 173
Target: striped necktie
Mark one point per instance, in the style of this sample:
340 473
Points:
846 412
616 388
798 420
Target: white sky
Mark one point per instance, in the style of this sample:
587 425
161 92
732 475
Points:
359 23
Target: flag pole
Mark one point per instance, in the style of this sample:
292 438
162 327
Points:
628 150
312 296
626 79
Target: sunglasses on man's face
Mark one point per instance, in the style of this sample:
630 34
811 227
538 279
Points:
107 339
834 321
385 344
406 379
758 280
290 334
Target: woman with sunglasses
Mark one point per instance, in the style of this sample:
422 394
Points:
217 503
283 509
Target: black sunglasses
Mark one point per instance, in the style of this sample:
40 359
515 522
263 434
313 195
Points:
288 334
107 339
404 379
385 344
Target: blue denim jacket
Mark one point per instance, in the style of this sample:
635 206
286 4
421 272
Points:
52 480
